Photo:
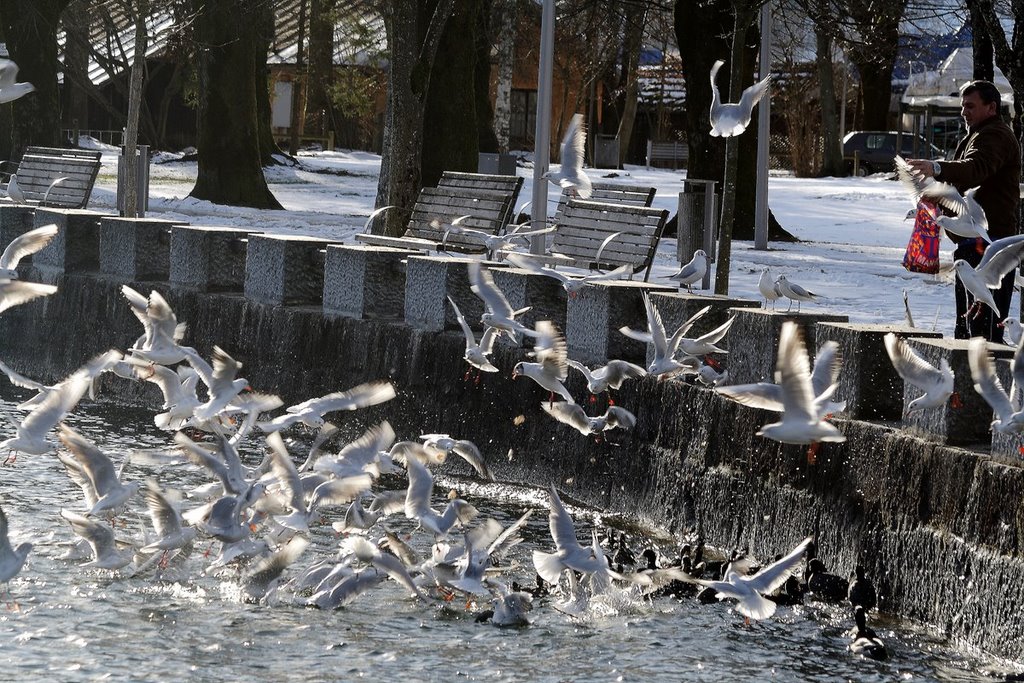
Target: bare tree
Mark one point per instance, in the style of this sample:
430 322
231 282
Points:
1009 53
505 19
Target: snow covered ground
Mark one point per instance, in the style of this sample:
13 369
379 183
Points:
853 230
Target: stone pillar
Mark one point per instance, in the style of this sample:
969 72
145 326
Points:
755 341
15 220
134 249
544 295
964 419
285 269
362 281
429 280
868 382
76 247
208 258
594 316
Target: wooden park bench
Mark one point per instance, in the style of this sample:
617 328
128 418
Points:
40 167
678 152
623 234
488 200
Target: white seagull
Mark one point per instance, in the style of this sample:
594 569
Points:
551 368
10 89
417 503
476 354
749 591
574 416
571 176
572 285
609 376
11 559
171 532
1009 418
499 313
465 449
100 537
936 383
692 272
162 332
1013 331
111 494
794 292
220 379
800 423
969 218
311 413
999 259
768 287
664 363
732 119
569 554
51 411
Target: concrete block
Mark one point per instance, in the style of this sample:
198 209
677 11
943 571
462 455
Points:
285 269
208 258
594 316
545 295
76 247
363 281
966 418
868 382
677 307
429 280
15 220
754 359
135 248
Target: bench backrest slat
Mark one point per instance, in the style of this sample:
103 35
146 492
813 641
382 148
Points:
613 193
487 210
586 224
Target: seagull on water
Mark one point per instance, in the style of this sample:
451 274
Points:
801 422
749 591
728 119
571 176
1009 416
10 88
969 218
417 503
569 554
691 273
11 559
936 383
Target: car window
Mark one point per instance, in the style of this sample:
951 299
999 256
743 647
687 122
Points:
879 142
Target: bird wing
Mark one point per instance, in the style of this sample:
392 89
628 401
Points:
986 383
362 396
284 470
487 340
99 536
618 371
525 263
20 380
910 365
95 464
197 455
919 186
828 361
617 416
421 485
619 273
793 374
162 512
56 404
999 259
468 451
568 413
16 292
763 395
25 245
774 575
975 210
753 94
482 284
468 333
563 532
225 368
8 73
656 327
5 543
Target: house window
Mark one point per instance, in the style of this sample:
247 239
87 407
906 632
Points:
523 122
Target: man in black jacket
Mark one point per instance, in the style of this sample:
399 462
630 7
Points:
987 158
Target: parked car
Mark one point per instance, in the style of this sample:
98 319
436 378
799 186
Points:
876 149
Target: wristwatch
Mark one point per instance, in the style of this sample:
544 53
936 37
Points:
936 169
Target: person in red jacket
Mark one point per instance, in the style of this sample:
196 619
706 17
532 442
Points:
988 158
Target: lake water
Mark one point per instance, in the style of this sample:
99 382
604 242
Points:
75 624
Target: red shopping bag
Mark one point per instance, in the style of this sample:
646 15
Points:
923 250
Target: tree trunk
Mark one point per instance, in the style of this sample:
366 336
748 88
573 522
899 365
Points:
321 65
30 27
832 162
131 131
268 147
505 29
875 94
487 141
743 19
1009 56
450 106
411 49
76 20
874 55
984 67
229 144
632 43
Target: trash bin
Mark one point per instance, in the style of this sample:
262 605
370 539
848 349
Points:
697 222
606 151
142 183
496 164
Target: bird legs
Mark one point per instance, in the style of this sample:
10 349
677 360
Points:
10 459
